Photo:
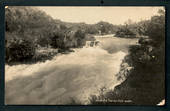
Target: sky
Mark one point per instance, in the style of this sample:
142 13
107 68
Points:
92 15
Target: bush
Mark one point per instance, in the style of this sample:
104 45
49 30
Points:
44 54
125 32
80 35
19 50
57 40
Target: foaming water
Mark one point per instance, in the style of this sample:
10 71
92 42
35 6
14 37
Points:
65 78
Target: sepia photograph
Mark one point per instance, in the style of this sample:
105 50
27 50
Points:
85 55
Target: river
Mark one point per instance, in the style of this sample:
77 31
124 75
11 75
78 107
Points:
67 78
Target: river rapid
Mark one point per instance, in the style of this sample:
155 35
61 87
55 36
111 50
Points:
67 78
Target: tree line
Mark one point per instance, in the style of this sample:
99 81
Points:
145 83
132 29
28 28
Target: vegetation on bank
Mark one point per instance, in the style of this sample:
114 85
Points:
29 30
133 30
144 84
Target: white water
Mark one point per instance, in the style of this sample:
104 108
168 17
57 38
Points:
73 76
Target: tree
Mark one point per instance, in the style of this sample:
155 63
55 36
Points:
126 32
156 28
57 40
80 37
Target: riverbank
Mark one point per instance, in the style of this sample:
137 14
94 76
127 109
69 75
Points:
142 76
67 77
41 55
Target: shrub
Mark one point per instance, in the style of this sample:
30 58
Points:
19 50
57 40
125 32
